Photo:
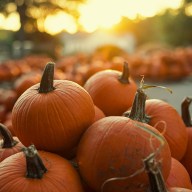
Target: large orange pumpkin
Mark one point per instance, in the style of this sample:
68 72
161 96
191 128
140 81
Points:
112 91
38 171
53 114
114 147
164 118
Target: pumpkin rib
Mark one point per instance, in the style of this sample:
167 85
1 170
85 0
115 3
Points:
68 110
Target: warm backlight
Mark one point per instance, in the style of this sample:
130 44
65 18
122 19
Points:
95 14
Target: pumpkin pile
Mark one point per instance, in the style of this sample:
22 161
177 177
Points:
102 134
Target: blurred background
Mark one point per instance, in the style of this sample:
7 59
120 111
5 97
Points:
86 36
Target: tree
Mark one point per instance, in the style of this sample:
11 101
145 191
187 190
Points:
30 11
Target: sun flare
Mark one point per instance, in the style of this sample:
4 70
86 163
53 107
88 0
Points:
106 13
95 14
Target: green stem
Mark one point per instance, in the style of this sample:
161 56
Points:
35 166
124 78
46 84
156 180
8 141
185 113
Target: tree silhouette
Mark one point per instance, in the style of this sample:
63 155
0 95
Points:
30 11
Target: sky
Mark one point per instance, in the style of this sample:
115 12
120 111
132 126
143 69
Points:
96 14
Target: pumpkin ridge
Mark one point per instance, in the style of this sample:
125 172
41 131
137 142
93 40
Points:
23 109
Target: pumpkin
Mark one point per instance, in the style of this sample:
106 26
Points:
157 182
98 114
9 145
112 91
178 177
114 147
38 171
94 67
155 111
25 81
175 130
53 114
8 98
187 158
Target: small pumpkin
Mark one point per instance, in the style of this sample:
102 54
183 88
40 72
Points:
53 114
112 91
98 114
9 145
33 170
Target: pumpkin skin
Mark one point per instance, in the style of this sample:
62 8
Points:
98 114
114 147
175 131
61 176
178 177
108 93
53 121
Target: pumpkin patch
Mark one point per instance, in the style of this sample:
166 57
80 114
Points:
83 125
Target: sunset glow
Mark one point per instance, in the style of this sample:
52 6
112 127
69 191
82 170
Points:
59 22
11 22
95 14
104 14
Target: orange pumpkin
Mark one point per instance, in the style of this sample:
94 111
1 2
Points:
155 111
35 171
112 91
98 114
115 146
53 114
178 177
175 130
157 182
9 145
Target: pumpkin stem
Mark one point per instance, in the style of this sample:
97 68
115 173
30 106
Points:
137 111
124 78
185 111
46 84
156 180
8 141
35 166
